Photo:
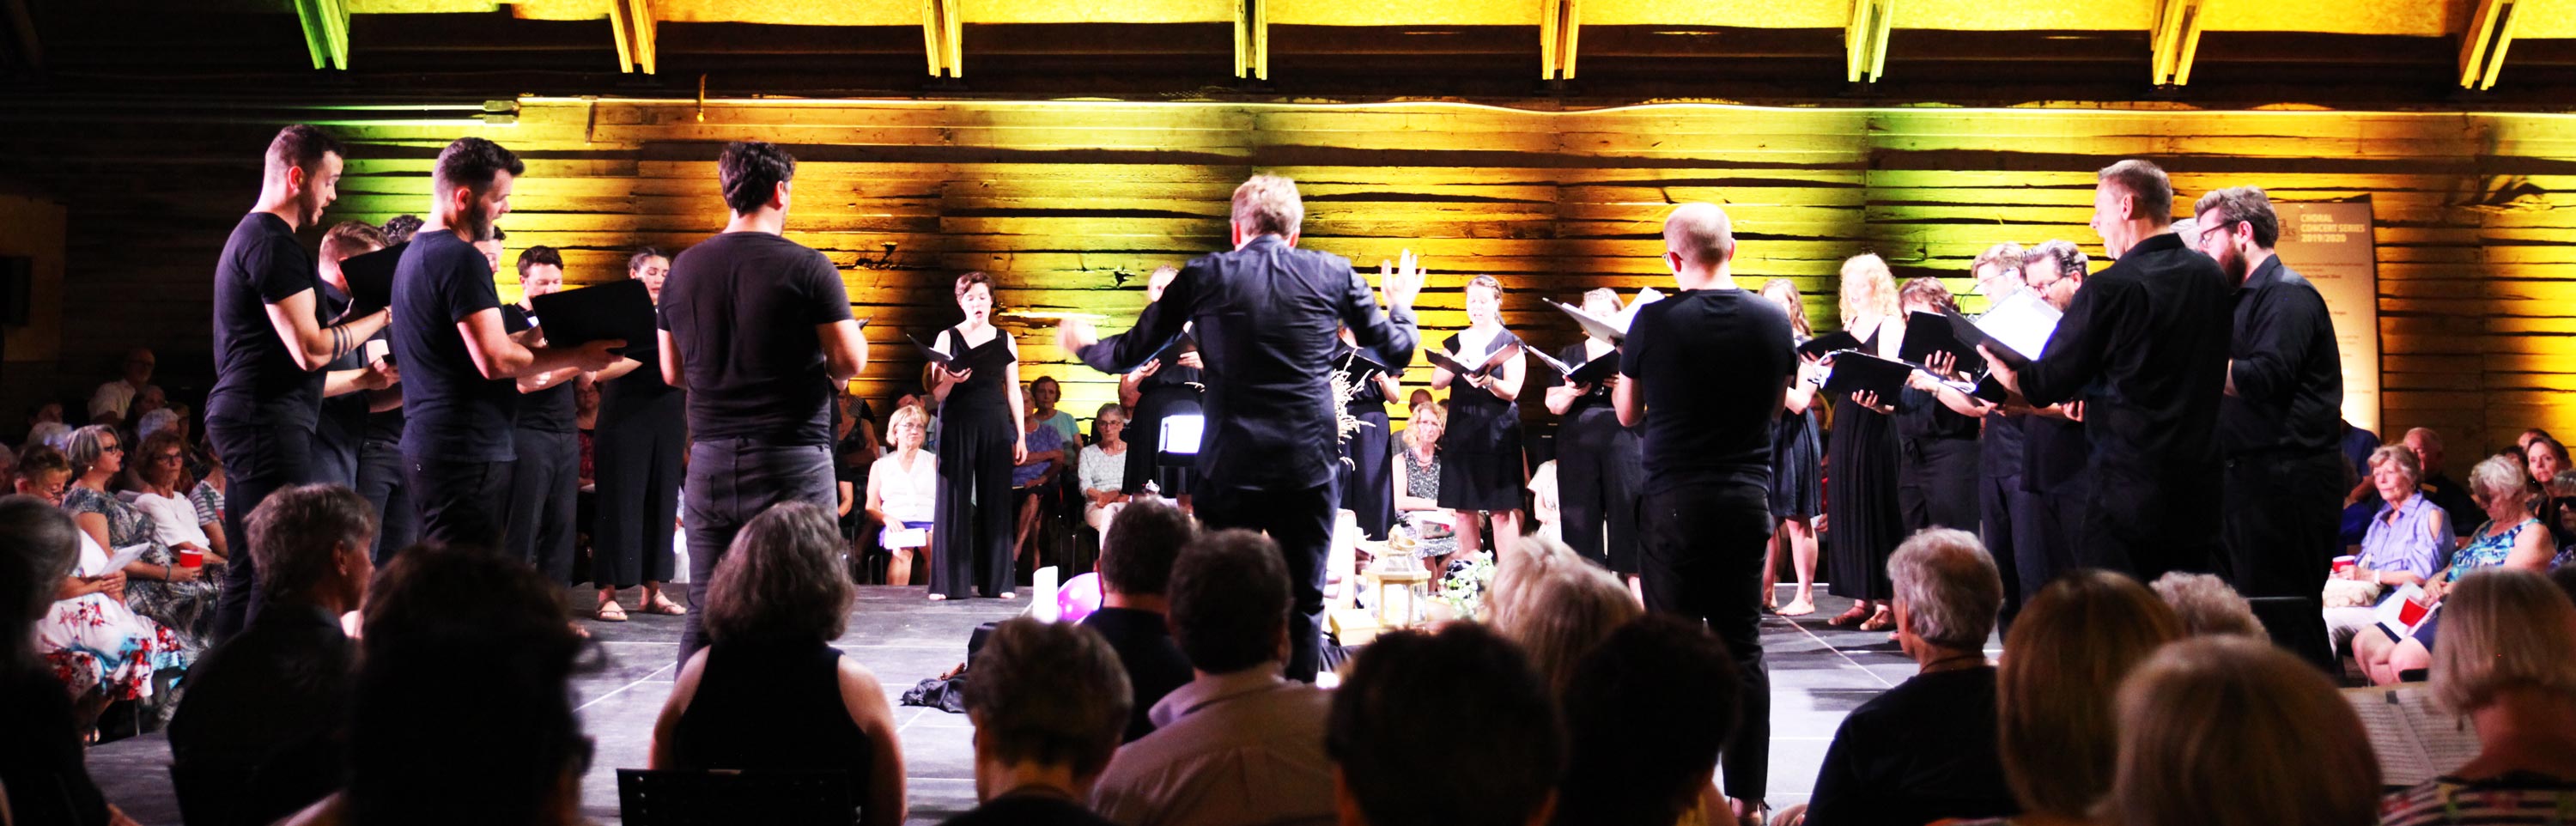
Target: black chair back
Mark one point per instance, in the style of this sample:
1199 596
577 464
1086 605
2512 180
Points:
725 797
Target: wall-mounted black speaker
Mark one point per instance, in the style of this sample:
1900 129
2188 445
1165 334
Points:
17 277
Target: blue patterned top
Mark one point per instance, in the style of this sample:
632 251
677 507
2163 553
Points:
2487 550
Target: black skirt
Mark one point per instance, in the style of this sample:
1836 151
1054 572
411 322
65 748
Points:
1367 473
1864 522
1797 466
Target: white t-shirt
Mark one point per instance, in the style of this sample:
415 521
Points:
174 519
910 495
1101 471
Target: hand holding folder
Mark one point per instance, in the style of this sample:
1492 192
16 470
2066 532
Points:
621 310
1592 371
1449 362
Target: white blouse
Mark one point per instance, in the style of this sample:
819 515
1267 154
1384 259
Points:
174 519
910 495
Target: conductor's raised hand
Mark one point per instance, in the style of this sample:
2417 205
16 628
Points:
1400 280
1073 334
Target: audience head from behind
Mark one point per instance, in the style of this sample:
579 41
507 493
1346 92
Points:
1049 702
2132 200
1947 595
43 473
2062 665
2208 606
1646 713
755 176
781 579
1267 205
1699 244
1230 600
2232 731
300 175
1557 607
2505 631
1464 699
311 543
38 546
1138 554
2055 269
462 713
470 188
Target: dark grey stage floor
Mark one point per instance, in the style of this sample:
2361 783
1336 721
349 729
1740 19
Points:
1818 674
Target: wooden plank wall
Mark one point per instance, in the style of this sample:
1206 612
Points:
1070 204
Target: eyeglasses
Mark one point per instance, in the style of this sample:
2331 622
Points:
111 448
170 458
2202 238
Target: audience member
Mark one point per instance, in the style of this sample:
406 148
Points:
1241 744
2511 538
463 648
1645 715
1557 606
1417 494
2207 606
260 735
177 595
2233 731
99 648
40 758
1136 556
2504 665
1047 701
158 476
1103 470
2451 496
771 692
2408 539
114 401
903 490
1043 460
1925 750
41 472
2054 690
1463 703
1044 393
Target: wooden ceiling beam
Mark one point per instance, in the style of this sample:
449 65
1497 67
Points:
943 39
1560 23
1252 40
632 23
326 32
2482 47
2176 40
1865 40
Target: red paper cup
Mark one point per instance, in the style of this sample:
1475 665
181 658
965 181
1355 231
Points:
2345 563
190 558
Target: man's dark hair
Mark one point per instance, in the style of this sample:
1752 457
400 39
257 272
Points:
1230 601
473 163
1645 717
1048 693
2146 183
539 254
1465 697
399 229
1136 557
301 146
295 535
465 648
750 171
2241 203
636 261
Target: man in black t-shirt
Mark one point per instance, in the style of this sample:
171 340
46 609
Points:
545 484
1704 372
757 329
271 346
457 359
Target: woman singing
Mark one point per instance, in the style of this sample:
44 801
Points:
1937 459
1797 463
981 418
1368 489
1482 470
1862 510
1167 386
636 452
1600 466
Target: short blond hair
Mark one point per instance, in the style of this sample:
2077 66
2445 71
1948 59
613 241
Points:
2055 688
1867 287
907 413
1425 412
2007 255
2503 628
2498 476
1268 205
2241 715
2208 606
1557 606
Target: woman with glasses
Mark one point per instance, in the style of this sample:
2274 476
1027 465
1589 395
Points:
179 596
159 477
1103 471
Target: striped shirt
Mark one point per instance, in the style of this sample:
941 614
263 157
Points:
2517 798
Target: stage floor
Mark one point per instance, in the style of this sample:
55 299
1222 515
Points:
1818 674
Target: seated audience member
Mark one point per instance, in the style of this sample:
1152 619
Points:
771 692
1135 576
903 489
2057 684
1033 480
461 649
2234 731
2511 538
264 710
2460 510
1417 490
1241 744
1557 607
40 741
101 650
178 596
1047 701
1645 715
2504 665
1463 704
1925 750
114 402
2207 605
1103 470
2409 538
159 478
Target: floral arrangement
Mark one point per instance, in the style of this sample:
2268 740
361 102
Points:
1345 425
1462 590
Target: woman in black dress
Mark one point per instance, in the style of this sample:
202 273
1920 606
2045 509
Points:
1937 467
1600 465
1862 516
1797 468
981 418
1482 469
636 450
1366 472
1168 385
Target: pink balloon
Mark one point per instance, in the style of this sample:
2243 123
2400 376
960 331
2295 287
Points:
1078 598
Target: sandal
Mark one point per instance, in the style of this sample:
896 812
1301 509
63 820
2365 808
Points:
938 597
1846 619
609 612
1881 621
663 605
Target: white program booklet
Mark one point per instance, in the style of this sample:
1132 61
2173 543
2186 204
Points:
2415 739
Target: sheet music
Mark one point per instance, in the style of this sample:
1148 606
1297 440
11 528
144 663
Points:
2415 739
2021 321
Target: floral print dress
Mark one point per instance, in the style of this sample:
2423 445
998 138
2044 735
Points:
95 642
183 607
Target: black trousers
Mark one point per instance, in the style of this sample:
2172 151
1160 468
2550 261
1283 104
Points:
460 503
2047 524
380 482
1998 497
335 455
2147 521
1599 469
259 459
729 482
544 489
1703 561
1301 521
2283 515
